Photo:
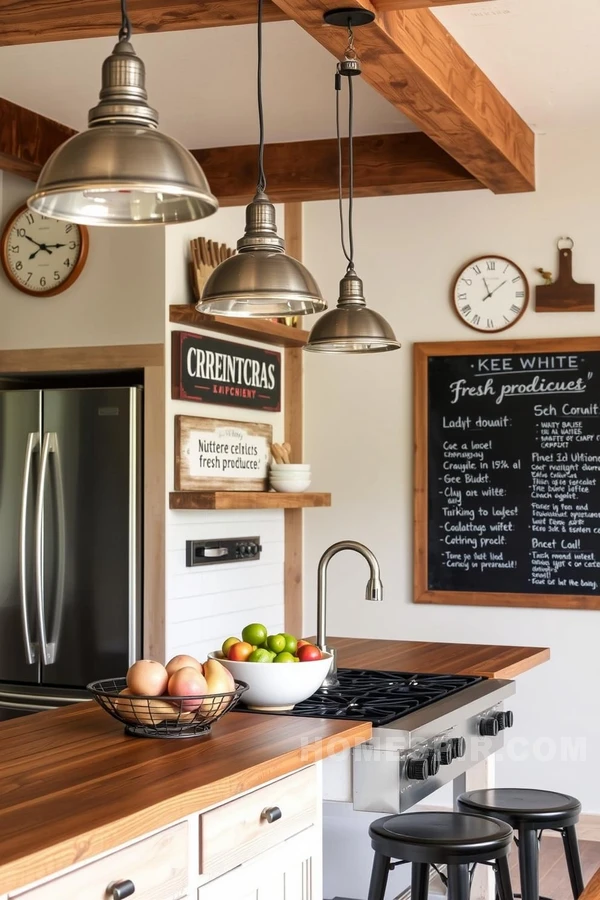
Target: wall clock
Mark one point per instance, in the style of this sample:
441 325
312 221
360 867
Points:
490 294
42 256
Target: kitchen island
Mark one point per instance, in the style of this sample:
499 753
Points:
81 800
73 786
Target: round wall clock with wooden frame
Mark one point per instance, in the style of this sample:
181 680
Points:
490 293
42 256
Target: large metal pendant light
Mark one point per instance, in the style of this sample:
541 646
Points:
122 170
261 280
351 327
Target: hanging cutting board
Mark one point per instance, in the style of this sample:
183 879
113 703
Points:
565 294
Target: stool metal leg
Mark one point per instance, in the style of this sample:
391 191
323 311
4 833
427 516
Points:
458 882
419 887
569 836
529 864
379 877
503 885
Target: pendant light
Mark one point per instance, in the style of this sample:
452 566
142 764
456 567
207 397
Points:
351 327
261 280
122 170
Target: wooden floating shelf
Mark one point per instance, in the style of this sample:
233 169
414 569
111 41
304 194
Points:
252 329
246 500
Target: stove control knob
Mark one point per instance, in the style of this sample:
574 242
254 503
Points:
433 761
488 726
459 747
509 718
417 768
446 753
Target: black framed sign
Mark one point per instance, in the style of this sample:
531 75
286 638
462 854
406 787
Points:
209 370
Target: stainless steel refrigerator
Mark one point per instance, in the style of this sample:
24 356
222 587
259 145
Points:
70 547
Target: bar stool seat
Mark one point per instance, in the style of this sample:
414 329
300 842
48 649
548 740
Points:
439 838
529 812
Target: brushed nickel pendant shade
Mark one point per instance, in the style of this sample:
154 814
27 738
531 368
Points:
351 327
261 280
122 170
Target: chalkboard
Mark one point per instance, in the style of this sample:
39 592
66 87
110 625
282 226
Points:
507 473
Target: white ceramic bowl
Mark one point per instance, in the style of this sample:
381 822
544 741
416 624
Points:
277 686
290 485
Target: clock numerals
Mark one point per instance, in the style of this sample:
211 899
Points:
42 255
483 296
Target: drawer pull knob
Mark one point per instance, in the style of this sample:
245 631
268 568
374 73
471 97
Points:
271 814
119 890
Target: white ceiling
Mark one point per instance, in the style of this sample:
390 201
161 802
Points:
542 55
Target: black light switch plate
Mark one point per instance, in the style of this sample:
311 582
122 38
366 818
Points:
227 550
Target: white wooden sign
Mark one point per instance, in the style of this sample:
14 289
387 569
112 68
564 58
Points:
220 455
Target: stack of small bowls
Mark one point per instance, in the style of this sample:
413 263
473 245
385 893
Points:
290 477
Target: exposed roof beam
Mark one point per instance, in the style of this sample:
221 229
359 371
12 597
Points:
27 139
387 5
412 60
307 170
35 21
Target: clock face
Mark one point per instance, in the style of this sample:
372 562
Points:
40 255
491 293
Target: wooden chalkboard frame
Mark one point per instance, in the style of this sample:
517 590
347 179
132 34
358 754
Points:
421 354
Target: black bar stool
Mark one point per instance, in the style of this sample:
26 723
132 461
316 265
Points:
530 812
439 838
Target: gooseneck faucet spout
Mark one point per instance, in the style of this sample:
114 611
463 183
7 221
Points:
374 591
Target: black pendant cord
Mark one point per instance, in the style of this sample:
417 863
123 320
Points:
349 251
125 29
262 180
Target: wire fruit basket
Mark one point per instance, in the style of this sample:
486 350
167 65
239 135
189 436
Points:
163 717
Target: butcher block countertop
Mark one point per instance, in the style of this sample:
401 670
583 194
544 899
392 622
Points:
489 660
73 785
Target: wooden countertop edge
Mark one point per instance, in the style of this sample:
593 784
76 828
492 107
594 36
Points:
47 861
538 656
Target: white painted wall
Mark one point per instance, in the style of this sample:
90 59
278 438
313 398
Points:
117 299
359 436
207 604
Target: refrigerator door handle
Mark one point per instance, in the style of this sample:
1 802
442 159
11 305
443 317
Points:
34 707
48 650
31 649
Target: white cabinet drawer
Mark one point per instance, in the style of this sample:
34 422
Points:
157 865
238 831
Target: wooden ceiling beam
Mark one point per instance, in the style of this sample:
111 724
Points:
388 5
36 21
413 61
307 170
27 139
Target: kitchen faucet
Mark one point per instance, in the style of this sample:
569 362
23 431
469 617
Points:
374 591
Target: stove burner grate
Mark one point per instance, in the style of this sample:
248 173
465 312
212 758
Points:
378 697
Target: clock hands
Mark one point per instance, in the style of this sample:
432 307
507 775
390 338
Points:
45 247
489 293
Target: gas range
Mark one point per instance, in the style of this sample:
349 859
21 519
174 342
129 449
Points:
428 730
